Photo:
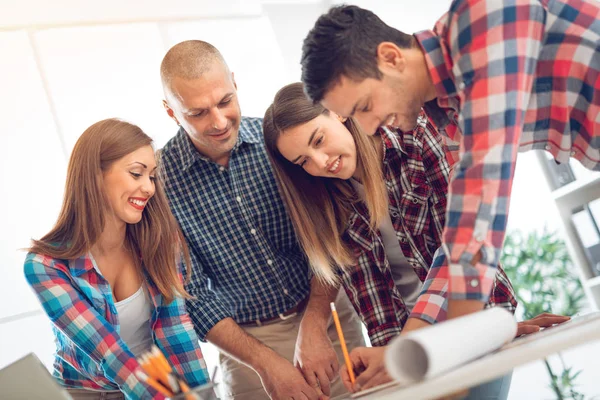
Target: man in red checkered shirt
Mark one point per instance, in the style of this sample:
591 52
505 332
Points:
496 76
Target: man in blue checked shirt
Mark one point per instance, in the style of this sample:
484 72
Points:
254 298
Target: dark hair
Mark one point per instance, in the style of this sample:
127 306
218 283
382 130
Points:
320 207
344 42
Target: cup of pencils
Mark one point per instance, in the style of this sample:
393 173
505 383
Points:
203 392
158 373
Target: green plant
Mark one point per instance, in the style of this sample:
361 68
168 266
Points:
544 278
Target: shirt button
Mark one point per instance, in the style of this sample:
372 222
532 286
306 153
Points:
221 168
479 237
474 283
461 86
239 199
253 231
270 262
573 152
415 201
285 291
548 147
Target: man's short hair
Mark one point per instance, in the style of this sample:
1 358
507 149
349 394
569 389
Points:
344 42
188 60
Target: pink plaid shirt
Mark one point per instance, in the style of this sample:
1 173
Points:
509 76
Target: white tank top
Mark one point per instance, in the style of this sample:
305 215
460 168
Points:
134 318
406 279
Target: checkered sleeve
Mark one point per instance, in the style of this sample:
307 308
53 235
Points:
364 285
432 306
177 339
73 315
494 47
437 155
204 308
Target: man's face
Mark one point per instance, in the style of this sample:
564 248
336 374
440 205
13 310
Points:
208 109
374 103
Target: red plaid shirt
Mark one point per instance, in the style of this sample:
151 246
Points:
417 171
509 76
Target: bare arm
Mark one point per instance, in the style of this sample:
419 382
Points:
315 355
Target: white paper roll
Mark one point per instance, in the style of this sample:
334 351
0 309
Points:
434 350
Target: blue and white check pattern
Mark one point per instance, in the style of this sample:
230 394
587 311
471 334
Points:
247 263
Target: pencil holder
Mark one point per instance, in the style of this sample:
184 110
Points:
203 392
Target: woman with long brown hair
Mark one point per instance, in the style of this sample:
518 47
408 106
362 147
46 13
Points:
108 273
369 212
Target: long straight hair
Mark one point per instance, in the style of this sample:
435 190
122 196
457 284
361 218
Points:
320 207
156 238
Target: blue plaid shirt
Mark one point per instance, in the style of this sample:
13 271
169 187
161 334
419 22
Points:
247 263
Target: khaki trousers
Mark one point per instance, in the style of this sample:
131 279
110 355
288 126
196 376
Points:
83 394
242 383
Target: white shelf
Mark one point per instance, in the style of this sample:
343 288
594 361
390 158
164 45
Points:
579 192
593 282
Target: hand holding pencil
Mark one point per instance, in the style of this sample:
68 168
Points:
367 362
369 366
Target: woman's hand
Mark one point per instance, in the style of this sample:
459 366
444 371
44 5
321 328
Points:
369 367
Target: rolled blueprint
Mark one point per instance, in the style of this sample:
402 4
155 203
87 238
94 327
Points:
431 351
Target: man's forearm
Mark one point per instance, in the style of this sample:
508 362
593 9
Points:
321 295
230 338
458 308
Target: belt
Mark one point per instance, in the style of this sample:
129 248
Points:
292 312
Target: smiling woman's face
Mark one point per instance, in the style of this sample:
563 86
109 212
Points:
322 146
129 184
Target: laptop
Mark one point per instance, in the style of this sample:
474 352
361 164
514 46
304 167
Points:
28 379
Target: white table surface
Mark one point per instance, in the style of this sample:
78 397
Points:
496 364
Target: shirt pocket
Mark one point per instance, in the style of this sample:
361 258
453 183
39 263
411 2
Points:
415 209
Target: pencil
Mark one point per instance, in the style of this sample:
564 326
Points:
338 326
173 379
152 382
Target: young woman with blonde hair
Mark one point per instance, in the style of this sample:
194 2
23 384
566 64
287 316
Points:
108 274
368 210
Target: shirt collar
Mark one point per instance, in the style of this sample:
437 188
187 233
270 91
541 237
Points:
439 62
81 265
395 139
189 155
392 140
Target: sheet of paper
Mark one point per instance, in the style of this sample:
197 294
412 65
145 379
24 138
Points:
374 389
432 351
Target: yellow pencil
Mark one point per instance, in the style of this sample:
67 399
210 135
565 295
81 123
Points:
338 326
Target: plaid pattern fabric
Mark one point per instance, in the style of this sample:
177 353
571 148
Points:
417 172
246 261
90 354
509 75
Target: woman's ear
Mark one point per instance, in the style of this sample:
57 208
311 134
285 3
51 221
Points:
341 119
